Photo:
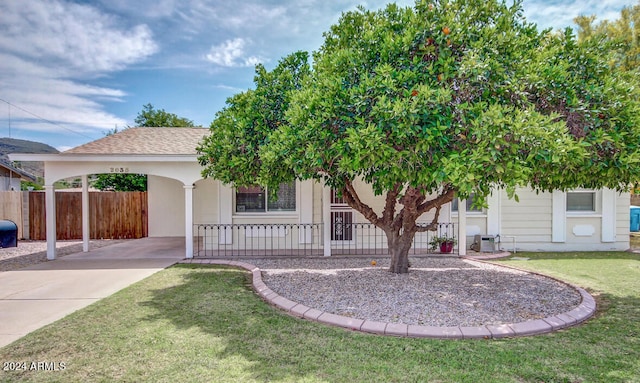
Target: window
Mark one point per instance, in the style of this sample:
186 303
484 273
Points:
470 207
581 201
255 199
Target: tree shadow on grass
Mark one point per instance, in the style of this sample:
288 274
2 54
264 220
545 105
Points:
219 302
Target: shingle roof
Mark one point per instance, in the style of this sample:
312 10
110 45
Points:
142 140
23 174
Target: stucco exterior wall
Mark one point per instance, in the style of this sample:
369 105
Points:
317 201
205 197
166 207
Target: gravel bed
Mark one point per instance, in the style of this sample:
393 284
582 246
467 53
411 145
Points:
436 292
29 253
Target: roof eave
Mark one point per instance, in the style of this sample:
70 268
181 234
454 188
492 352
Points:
103 157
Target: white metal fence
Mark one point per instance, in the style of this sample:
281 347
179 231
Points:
222 240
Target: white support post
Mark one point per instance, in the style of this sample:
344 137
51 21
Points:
462 227
85 214
188 220
50 207
326 220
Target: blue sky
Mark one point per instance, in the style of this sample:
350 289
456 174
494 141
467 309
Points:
72 70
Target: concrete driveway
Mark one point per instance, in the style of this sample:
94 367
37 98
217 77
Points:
35 296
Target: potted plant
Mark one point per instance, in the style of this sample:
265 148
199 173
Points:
445 243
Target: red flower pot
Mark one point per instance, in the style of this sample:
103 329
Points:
446 247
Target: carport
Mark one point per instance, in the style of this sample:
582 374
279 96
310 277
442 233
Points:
168 153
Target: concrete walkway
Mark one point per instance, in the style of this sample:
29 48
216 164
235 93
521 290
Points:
35 296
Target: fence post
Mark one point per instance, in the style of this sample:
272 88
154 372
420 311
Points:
326 220
25 215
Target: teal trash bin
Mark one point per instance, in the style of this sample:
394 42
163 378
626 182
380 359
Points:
634 218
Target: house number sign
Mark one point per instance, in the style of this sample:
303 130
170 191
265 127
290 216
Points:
116 169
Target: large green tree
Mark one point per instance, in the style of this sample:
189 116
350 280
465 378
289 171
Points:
240 131
443 99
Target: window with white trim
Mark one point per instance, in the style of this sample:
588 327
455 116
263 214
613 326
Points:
470 207
581 201
256 199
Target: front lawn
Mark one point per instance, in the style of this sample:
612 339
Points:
204 324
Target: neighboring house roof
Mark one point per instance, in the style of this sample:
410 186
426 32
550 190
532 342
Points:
21 173
145 141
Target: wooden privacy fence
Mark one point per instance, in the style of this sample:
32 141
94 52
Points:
11 208
111 215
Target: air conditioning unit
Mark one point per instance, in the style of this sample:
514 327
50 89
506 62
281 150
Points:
484 243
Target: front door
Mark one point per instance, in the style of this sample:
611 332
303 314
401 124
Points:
341 219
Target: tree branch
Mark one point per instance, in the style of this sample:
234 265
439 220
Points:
433 225
445 197
351 197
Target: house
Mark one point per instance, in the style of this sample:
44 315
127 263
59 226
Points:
214 216
10 177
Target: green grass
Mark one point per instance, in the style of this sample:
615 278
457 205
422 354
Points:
204 324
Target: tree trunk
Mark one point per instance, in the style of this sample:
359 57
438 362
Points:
399 247
399 227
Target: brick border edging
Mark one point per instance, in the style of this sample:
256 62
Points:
579 314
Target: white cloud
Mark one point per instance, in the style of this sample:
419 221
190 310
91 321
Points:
231 53
229 88
78 36
560 14
49 52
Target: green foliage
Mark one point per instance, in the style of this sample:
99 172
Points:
121 182
151 117
622 35
435 242
30 185
394 99
443 99
232 152
492 103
